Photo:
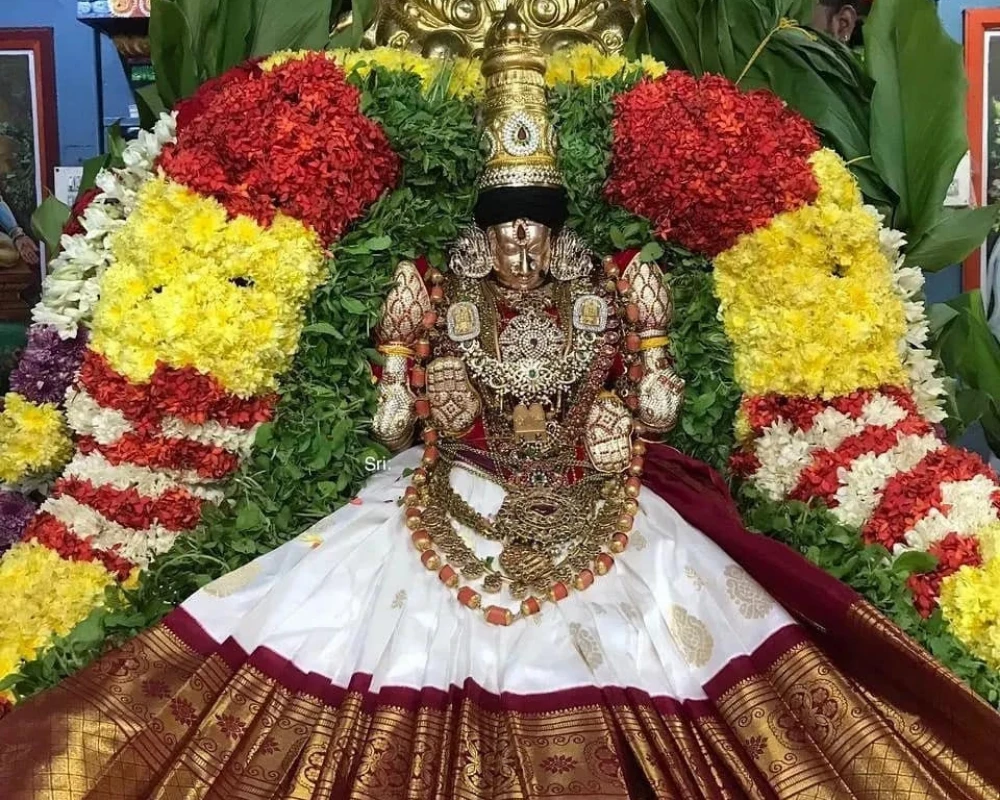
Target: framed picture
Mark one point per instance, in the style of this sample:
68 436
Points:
29 149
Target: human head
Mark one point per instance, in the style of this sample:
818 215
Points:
840 18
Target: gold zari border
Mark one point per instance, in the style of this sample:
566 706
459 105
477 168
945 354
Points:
155 721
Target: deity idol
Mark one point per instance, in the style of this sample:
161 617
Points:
539 602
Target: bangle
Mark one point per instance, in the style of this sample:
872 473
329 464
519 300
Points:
654 342
17 233
395 349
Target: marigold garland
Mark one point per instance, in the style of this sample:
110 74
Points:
731 160
190 288
286 141
585 63
809 301
43 595
970 601
33 439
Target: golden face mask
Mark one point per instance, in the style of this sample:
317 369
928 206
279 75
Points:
521 252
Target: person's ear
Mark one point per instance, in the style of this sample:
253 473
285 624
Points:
845 21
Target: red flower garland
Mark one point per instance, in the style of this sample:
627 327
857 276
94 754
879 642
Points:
909 497
183 393
160 452
821 479
53 534
176 509
291 140
706 162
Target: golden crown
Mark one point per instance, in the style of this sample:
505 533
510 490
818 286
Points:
519 137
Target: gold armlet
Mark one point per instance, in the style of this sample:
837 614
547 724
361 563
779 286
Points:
395 349
654 342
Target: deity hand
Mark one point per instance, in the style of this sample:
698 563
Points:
27 249
661 395
396 415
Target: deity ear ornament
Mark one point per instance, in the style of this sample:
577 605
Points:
571 258
470 254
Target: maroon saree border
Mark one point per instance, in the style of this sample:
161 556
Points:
186 627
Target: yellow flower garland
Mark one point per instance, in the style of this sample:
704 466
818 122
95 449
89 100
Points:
33 439
808 300
43 596
585 62
465 79
191 288
970 602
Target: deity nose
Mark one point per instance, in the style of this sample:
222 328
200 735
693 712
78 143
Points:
523 263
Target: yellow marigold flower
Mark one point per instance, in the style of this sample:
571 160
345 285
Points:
970 602
989 541
190 288
43 596
465 80
33 439
809 301
282 57
586 62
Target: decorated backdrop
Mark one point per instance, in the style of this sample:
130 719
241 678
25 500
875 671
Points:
197 387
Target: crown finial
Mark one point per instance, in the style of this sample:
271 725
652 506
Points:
518 133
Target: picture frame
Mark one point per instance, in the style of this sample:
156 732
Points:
29 151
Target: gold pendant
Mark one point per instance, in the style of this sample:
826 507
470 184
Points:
529 423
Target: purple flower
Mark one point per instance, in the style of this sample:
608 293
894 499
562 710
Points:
16 512
48 365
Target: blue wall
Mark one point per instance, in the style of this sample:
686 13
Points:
76 70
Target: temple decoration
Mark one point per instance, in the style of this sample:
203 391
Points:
461 27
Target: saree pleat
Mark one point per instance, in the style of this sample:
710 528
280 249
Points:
158 721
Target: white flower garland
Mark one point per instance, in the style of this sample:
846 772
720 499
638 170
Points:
70 291
926 384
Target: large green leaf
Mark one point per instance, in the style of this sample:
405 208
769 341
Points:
290 24
955 234
172 51
970 352
672 27
918 133
91 168
48 220
150 104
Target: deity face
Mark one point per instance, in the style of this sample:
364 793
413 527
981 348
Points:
521 252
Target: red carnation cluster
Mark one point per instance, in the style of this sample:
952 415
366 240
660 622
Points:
953 552
706 162
183 393
909 497
53 534
291 140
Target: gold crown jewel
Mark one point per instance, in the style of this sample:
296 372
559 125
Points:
517 132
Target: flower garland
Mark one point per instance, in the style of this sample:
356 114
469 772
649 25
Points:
730 163
33 439
199 309
29 571
828 328
324 162
585 63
